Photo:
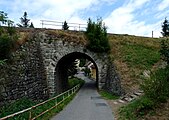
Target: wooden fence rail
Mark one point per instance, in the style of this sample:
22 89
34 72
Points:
73 26
63 96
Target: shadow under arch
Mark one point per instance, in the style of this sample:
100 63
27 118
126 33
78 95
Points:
61 77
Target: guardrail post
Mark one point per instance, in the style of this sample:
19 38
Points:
30 114
30 110
42 23
63 97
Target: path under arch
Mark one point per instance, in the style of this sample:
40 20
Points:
87 105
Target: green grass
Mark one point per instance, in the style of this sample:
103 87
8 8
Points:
136 109
15 107
139 56
74 81
155 92
26 103
107 95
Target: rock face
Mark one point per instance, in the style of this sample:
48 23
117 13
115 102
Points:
39 68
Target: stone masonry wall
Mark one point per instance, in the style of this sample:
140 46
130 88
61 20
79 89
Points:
54 49
31 73
24 76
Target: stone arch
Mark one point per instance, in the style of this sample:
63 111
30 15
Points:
54 51
60 75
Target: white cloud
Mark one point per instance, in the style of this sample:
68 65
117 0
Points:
164 4
123 21
49 9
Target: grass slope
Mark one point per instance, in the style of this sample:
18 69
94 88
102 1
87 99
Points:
132 55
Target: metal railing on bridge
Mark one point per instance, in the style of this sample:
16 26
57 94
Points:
59 25
56 101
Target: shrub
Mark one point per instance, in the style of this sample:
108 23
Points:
97 36
165 50
75 81
156 87
136 109
7 36
5 47
7 42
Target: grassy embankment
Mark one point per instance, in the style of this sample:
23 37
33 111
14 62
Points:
132 56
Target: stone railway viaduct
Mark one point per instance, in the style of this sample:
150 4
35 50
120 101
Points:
39 67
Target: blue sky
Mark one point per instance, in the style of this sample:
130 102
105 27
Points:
134 17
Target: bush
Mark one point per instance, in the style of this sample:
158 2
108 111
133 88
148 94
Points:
136 109
156 87
7 36
75 81
8 39
5 47
165 50
16 106
97 36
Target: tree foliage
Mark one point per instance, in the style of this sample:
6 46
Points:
25 22
164 51
165 28
7 37
3 17
156 87
65 26
72 69
31 26
97 36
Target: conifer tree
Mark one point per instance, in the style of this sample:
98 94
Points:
31 26
165 28
65 26
24 21
97 36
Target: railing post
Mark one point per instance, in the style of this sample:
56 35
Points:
30 114
42 23
56 101
63 97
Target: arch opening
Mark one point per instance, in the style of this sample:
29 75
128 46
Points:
61 71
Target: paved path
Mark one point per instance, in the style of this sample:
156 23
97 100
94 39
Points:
87 105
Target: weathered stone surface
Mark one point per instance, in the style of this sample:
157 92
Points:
39 69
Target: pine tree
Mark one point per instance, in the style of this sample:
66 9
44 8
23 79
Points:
24 21
31 26
165 28
97 36
65 26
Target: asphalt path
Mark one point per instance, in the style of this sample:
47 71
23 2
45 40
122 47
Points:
87 105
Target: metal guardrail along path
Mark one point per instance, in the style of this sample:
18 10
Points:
63 96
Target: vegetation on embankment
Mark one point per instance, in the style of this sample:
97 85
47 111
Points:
156 93
132 55
108 96
155 85
26 103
